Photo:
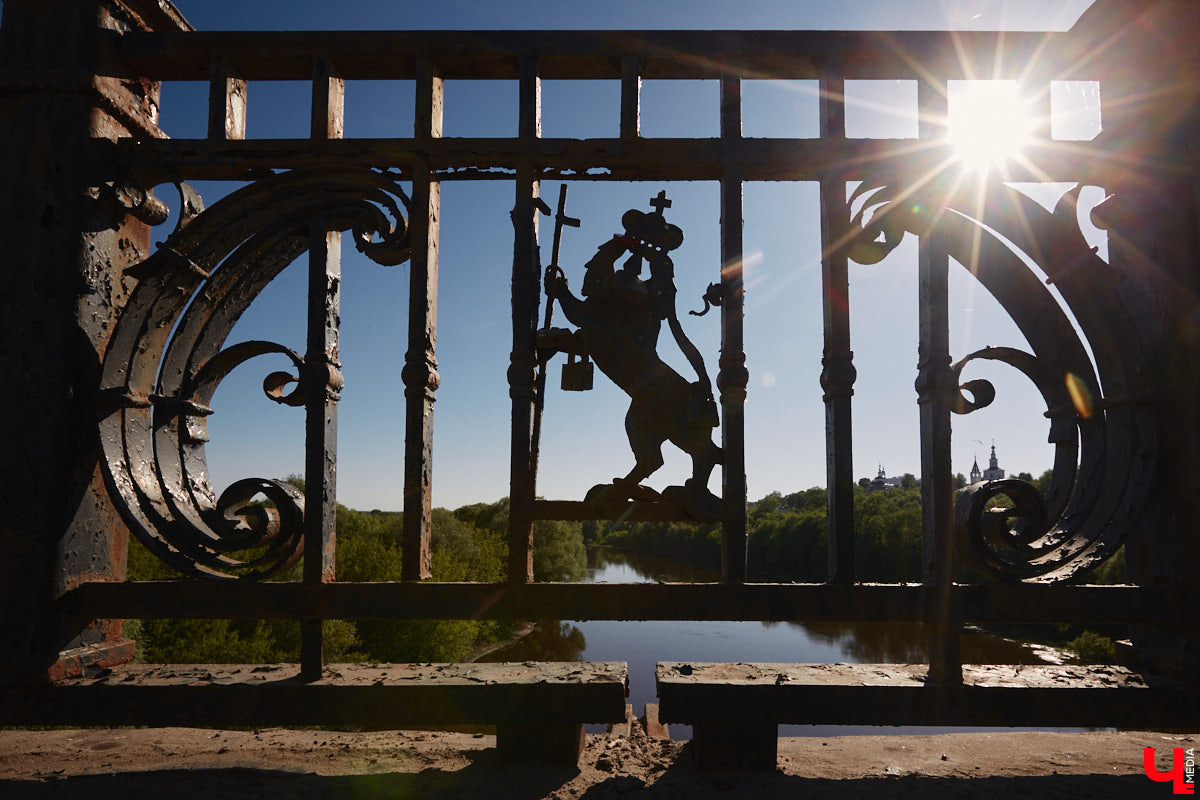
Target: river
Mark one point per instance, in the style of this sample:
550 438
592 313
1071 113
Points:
642 644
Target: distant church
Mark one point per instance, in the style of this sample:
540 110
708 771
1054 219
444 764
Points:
882 481
992 473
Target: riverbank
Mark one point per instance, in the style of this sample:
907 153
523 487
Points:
523 630
187 763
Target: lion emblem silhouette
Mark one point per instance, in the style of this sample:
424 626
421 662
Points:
619 319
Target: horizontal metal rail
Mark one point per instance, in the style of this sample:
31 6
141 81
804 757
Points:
775 159
375 55
612 601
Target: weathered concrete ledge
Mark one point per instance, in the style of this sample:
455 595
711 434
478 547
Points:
735 708
539 708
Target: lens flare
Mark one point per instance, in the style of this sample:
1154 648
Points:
1081 397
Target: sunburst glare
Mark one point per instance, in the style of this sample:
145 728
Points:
989 123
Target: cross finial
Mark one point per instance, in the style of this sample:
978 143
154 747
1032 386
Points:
660 202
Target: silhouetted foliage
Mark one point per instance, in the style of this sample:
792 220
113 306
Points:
469 544
788 536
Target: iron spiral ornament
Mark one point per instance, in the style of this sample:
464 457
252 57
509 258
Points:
168 354
1102 431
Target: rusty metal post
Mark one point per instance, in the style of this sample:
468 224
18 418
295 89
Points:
323 381
420 361
837 360
328 102
733 376
631 98
65 248
526 290
322 377
935 388
937 487
227 102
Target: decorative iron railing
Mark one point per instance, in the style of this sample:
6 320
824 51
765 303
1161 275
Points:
200 280
168 352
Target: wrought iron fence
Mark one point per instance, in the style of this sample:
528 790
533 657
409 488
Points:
167 353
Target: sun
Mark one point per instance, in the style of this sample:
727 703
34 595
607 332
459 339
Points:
989 123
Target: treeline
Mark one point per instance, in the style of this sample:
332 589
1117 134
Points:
787 537
467 544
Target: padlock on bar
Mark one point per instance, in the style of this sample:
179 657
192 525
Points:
577 375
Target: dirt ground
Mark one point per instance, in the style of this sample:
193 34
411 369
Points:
184 763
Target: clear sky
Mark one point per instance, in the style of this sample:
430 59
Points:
583 436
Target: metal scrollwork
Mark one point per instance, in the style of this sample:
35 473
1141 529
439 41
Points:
168 355
1102 434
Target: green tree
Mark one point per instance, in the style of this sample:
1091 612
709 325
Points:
887 534
204 641
1092 648
789 545
369 548
558 550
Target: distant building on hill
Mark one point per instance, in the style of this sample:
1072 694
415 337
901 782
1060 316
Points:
992 473
882 481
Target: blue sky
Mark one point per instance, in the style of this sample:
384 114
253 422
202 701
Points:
583 436
633 14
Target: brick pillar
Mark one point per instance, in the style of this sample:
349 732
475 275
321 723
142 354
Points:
64 244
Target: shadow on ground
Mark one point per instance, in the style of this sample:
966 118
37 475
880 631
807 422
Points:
485 780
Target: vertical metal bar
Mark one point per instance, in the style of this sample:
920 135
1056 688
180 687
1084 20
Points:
328 101
430 98
226 102
526 289
937 487
323 382
934 391
837 360
323 379
420 361
529 112
733 376
631 97
933 373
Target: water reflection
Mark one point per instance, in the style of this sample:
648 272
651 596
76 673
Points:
549 641
813 642
907 643
616 566
642 644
